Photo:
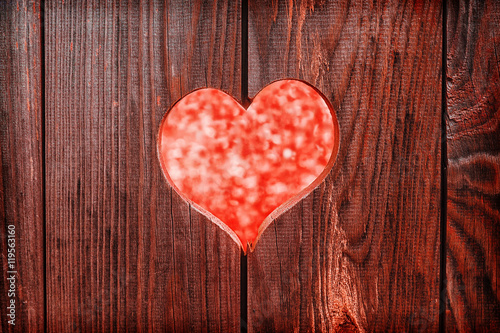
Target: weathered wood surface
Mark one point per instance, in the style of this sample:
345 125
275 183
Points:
473 229
124 251
361 252
21 173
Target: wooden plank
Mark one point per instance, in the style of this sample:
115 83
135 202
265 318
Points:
21 172
473 228
361 252
124 250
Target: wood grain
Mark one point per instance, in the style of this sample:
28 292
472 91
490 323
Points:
124 251
21 173
473 229
361 252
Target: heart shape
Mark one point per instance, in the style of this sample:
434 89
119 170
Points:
243 168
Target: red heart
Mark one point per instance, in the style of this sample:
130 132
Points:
238 166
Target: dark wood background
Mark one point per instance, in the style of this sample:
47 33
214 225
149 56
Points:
362 251
473 134
104 244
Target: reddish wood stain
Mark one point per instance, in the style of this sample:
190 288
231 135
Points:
122 251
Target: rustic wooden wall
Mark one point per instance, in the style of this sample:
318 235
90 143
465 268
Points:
21 170
473 229
362 250
105 244
123 249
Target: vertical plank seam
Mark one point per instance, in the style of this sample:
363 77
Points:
173 253
245 102
243 293
43 159
244 53
444 178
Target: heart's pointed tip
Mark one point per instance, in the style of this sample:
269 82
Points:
246 247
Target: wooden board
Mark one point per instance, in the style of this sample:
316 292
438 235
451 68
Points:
361 252
124 251
473 229
21 172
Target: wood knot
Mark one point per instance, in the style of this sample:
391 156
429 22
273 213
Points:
346 323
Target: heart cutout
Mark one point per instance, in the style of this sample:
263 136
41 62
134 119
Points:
244 167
